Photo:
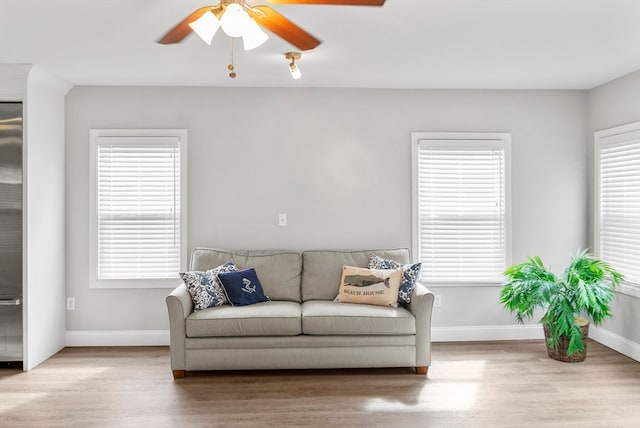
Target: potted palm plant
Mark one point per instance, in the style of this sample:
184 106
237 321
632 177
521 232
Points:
583 292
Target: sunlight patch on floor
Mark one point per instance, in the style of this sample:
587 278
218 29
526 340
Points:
11 400
451 386
447 397
46 376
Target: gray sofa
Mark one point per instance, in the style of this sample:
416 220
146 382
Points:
301 327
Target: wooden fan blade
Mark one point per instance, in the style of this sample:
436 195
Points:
335 2
182 30
278 24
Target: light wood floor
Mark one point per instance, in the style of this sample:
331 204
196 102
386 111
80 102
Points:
494 384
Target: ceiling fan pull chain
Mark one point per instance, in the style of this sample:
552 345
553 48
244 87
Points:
231 67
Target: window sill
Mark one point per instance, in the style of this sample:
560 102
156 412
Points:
630 290
168 283
459 284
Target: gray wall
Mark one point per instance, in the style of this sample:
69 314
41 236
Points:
612 104
338 163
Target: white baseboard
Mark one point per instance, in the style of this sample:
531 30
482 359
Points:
438 334
615 342
486 332
117 338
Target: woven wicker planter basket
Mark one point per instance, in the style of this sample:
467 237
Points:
560 353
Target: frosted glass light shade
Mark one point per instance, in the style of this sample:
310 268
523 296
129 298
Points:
234 20
253 35
295 71
206 26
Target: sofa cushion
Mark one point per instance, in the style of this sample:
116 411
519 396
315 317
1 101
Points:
279 270
321 317
369 286
242 287
322 269
262 319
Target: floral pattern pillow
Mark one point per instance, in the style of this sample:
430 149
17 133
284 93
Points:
205 287
410 274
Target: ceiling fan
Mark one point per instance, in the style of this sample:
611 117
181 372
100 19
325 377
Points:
263 15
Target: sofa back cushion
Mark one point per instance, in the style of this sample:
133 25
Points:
322 269
279 271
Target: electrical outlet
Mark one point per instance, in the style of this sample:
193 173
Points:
282 219
437 301
71 303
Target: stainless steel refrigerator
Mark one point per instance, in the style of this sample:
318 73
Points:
11 234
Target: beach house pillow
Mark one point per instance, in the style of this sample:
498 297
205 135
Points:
410 274
205 287
242 287
370 286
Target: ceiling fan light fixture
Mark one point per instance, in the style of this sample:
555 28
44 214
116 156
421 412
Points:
253 36
295 71
206 26
293 67
235 20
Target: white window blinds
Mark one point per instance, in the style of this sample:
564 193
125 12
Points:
138 207
462 208
618 187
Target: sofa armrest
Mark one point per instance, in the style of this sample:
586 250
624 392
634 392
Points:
421 307
179 305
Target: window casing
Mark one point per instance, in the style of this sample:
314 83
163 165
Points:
137 208
461 207
617 202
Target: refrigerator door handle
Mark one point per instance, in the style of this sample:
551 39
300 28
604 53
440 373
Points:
11 302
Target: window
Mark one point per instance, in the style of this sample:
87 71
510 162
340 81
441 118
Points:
461 214
617 187
138 208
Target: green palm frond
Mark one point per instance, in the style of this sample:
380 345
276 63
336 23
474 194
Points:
585 288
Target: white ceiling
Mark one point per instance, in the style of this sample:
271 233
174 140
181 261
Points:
531 44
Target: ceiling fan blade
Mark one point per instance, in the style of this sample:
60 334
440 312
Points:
182 30
278 24
335 2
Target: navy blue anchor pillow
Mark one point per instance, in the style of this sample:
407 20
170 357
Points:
242 287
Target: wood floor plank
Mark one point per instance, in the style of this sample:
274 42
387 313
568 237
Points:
484 384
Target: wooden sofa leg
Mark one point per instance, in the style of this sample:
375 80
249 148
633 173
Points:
422 370
178 374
